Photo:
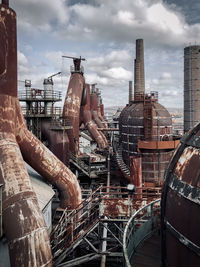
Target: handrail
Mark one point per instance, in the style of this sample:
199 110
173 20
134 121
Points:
53 111
37 94
134 224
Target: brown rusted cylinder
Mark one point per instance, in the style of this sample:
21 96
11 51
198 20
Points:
136 174
94 109
49 166
102 110
24 225
8 52
71 109
90 124
23 221
180 205
58 142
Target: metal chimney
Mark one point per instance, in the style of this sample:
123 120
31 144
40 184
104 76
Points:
130 92
139 83
191 86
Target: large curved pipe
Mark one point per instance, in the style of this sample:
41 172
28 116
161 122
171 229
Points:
58 142
89 123
94 110
99 109
23 222
71 109
48 166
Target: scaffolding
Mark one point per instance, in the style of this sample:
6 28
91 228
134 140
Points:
39 106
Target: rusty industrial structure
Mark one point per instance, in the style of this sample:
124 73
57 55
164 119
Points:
23 223
145 129
104 211
191 86
180 204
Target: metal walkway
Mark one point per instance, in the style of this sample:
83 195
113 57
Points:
141 240
79 235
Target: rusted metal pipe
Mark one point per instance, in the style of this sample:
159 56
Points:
58 141
89 123
23 221
50 167
136 174
94 110
71 109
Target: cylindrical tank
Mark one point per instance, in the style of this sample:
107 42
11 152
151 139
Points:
191 86
132 125
180 205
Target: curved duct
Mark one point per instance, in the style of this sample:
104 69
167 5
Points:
23 221
94 109
99 102
77 109
58 142
71 109
89 123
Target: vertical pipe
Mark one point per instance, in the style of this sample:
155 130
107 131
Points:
24 225
136 174
105 231
191 86
139 84
130 92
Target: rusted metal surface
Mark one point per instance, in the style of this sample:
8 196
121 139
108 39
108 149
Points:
71 109
158 144
146 127
180 205
58 141
8 52
86 115
22 219
115 207
95 110
48 165
23 222
136 174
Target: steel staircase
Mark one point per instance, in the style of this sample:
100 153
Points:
120 162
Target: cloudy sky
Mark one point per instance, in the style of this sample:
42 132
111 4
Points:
104 32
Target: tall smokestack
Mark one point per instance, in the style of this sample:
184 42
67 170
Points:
130 92
139 83
191 86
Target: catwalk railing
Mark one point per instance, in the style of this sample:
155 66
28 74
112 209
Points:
39 95
74 225
140 227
